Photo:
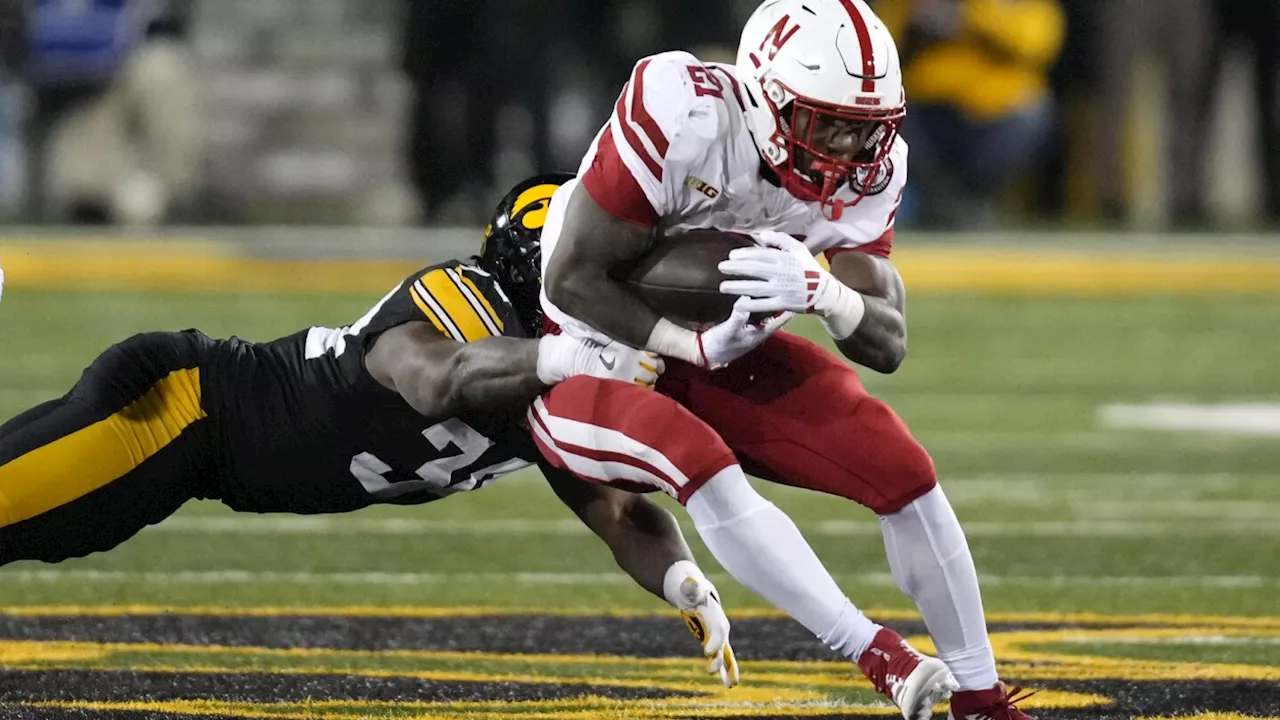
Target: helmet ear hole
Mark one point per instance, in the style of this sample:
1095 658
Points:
776 93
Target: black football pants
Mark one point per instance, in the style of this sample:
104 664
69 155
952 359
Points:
125 448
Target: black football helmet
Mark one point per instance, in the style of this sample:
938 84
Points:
512 250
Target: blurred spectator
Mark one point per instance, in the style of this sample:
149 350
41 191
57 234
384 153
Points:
980 111
1256 24
1177 34
1062 185
466 61
114 128
12 42
485 74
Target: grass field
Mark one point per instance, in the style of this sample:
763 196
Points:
1128 573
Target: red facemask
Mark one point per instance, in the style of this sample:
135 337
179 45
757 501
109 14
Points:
839 145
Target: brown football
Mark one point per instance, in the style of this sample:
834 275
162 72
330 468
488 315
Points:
679 278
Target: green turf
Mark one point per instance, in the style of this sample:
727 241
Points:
1242 651
1064 513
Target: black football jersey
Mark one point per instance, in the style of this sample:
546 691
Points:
308 430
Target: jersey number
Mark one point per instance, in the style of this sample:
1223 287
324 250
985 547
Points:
704 83
435 474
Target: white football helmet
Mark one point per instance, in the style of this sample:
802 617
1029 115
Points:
825 95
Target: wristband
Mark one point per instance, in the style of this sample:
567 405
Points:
555 358
841 309
674 341
673 582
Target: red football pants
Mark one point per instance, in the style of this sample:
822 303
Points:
789 412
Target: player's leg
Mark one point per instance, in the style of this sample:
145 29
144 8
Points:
29 417
626 436
122 450
609 431
797 414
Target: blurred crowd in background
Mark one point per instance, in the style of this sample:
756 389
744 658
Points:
1142 113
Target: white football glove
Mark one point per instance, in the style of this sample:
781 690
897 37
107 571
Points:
703 614
721 344
562 356
783 275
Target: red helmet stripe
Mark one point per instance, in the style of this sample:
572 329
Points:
864 44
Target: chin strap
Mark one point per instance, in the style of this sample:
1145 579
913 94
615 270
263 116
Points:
832 210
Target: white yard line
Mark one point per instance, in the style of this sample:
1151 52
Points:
216 577
1063 528
1254 419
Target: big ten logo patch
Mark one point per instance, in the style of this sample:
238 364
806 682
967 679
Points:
702 186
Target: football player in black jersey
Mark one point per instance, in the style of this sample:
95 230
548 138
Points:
422 397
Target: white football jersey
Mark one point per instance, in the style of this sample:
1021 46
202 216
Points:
677 153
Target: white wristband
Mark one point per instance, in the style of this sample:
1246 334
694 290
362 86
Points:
841 309
673 583
674 341
555 358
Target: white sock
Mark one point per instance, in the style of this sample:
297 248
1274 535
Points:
852 633
764 551
931 563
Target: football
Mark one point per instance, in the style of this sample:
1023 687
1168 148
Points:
679 278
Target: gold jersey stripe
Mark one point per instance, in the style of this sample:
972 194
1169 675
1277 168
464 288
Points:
422 305
94 456
454 308
445 324
473 293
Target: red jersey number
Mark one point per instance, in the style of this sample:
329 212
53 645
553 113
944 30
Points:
704 83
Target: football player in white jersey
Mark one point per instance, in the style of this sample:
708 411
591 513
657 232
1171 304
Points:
796 144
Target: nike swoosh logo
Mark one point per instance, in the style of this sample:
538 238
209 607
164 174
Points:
607 362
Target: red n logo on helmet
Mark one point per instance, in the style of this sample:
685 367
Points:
778 35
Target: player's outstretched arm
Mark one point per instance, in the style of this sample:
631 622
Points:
879 340
442 378
592 245
647 544
645 538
